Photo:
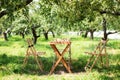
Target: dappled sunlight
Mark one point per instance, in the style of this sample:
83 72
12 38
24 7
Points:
51 39
12 56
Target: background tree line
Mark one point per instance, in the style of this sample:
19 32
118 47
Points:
56 16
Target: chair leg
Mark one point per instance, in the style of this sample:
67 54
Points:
94 62
41 64
25 60
107 61
101 60
88 62
38 63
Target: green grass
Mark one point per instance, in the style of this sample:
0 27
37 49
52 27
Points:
12 54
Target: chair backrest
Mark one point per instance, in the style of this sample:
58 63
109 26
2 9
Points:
101 46
31 46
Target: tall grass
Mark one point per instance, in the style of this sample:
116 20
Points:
12 54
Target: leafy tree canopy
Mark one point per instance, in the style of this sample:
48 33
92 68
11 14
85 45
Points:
8 6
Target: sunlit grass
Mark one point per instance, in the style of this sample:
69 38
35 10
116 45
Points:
12 54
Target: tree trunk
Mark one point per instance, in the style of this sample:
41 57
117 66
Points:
86 34
46 35
9 33
1 31
53 34
34 35
22 34
91 33
105 29
79 32
5 36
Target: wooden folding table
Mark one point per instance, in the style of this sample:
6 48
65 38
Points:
60 54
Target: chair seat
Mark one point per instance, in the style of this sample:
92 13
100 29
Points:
93 53
37 53
41 53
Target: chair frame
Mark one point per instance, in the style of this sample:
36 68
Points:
31 51
101 48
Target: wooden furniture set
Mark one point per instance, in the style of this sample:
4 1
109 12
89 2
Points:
98 53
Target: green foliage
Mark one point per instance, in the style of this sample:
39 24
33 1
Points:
56 14
12 5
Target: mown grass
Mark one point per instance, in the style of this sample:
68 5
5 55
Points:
12 54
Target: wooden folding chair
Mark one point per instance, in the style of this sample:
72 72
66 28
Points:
31 51
99 52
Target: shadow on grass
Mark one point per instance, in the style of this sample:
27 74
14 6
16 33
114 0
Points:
14 64
113 71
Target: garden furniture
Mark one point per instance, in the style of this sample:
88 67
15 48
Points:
32 51
59 54
98 53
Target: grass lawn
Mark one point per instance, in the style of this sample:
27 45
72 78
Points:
12 54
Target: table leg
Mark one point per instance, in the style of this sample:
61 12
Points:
60 56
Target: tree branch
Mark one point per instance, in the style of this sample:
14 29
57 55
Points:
110 12
111 32
2 13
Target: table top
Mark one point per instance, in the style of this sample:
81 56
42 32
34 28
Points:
61 41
